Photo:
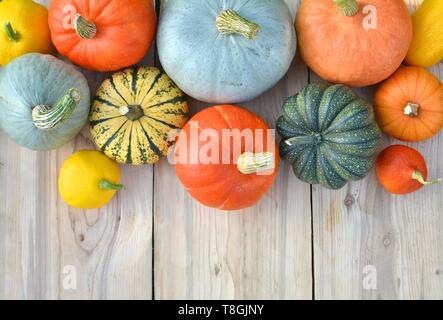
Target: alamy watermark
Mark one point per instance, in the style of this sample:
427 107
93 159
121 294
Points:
70 13
208 146
370 19
69 281
369 277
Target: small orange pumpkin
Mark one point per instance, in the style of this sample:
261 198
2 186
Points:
409 105
232 175
102 35
354 42
402 170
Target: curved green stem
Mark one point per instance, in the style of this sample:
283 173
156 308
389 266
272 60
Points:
132 112
84 28
347 7
312 139
47 118
12 34
417 175
411 109
107 185
230 22
250 162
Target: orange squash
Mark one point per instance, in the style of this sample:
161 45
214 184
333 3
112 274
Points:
102 35
402 170
357 43
409 105
230 175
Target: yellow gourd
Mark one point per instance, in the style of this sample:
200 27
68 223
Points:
89 180
23 29
427 44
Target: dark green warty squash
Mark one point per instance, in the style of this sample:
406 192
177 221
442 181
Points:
329 135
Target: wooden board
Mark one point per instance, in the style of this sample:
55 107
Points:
361 232
154 241
45 245
263 252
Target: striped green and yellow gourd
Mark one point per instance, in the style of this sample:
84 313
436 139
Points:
135 115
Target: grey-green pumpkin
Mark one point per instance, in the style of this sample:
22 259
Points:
44 102
329 135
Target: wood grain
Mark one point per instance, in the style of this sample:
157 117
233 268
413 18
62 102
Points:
362 226
41 237
259 253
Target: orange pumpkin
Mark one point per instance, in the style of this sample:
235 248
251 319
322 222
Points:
102 35
402 170
218 167
357 43
409 105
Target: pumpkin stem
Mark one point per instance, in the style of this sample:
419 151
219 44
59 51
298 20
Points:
230 22
417 175
411 109
12 34
347 7
312 139
132 112
250 162
47 118
106 185
84 28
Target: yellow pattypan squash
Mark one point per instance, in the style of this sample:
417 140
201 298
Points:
23 29
427 44
88 180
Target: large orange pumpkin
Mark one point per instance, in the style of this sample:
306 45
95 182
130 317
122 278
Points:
102 35
409 105
228 175
357 43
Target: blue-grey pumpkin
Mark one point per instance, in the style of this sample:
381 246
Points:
329 135
226 51
44 102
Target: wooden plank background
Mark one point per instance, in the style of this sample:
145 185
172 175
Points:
154 242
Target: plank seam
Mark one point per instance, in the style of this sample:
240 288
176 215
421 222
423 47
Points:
157 5
312 225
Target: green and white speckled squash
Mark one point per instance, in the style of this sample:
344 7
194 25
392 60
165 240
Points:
226 51
329 135
44 102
